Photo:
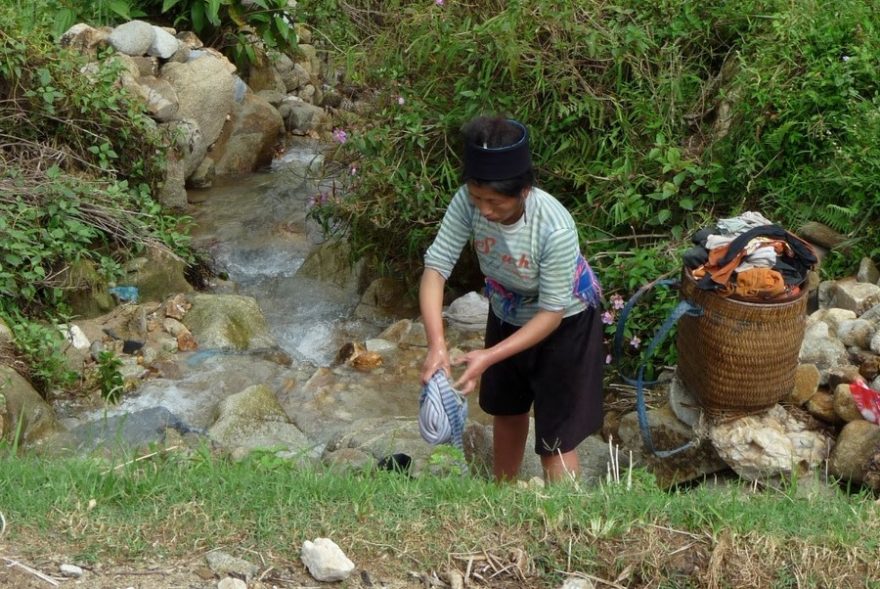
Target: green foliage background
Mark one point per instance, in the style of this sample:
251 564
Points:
649 118
242 29
81 162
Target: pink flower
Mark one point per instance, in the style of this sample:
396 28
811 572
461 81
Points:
617 301
608 359
353 171
607 317
635 342
318 199
439 2
401 100
340 135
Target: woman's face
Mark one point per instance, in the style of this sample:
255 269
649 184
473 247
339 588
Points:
497 207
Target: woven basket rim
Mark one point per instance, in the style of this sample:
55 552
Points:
691 283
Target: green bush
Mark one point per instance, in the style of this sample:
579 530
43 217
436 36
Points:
239 28
649 120
808 102
242 29
82 163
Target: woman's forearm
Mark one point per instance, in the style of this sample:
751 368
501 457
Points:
431 306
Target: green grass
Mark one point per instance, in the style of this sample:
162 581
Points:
172 505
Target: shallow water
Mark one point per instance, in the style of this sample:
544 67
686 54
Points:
256 230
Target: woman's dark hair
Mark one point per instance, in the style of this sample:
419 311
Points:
496 132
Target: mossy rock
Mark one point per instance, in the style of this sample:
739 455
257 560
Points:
86 290
23 411
228 322
157 275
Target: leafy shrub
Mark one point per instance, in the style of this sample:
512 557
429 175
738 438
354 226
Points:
598 84
648 119
236 27
40 344
239 28
109 378
83 161
808 107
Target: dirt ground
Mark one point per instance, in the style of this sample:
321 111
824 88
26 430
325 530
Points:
44 573
171 575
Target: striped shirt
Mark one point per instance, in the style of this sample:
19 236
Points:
534 260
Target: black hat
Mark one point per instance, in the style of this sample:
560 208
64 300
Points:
498 163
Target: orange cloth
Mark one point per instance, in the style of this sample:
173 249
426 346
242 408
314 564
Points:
759 283
721 274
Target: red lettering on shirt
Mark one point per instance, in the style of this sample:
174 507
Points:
523 261
484 246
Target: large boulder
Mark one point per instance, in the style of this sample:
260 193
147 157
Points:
248 142
159 97
164 44
189 143
822 349
385 298
855 296
84 38
264 75
668 432
769 445
228 322
385 436
85 290
205 90
856 446
133 38
302 117
157 274
253 419
331 262
23 412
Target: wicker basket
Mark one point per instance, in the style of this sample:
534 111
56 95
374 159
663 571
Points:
738 358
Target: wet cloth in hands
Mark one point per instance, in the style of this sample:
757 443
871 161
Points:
442 412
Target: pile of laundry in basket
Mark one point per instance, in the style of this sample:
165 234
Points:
749 258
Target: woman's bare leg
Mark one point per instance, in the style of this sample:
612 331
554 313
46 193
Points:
560 466
509 436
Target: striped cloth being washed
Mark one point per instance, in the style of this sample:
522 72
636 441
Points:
442 412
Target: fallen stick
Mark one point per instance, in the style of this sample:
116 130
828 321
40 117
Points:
139 459
34 572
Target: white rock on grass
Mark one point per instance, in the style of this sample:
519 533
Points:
577 583
325 560
231 583
71 570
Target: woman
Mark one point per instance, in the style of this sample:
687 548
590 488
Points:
543 341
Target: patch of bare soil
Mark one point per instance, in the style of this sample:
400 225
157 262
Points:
43 571
177 574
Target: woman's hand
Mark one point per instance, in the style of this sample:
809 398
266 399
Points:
437 359
477 362
535 330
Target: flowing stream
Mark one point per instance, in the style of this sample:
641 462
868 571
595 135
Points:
255 228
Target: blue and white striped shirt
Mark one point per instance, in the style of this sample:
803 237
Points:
535 260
